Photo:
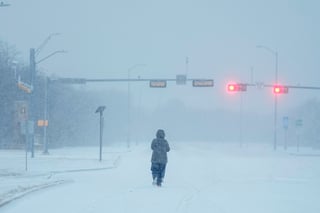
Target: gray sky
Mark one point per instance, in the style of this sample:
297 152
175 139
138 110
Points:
104 38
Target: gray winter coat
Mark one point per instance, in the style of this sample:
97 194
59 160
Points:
160 147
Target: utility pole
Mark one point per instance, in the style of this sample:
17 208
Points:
2 4
275 102
129 104
31 96
33 55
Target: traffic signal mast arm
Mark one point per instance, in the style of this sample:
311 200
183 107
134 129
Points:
277 89
293 87
159 81
303 87
197 82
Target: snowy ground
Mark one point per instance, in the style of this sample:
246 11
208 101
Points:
201 177
45 171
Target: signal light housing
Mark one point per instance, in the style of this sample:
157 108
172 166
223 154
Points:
236 87
279 89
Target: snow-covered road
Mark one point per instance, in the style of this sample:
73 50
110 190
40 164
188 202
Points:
201 177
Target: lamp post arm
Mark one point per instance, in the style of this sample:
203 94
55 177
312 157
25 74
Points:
275 53
45 42
268 49
48 56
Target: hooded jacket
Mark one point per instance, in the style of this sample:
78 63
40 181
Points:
160 147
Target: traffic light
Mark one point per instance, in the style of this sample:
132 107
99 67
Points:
279 89
236 87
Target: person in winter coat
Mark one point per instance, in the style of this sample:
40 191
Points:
159 159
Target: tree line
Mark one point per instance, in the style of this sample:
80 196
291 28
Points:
66 105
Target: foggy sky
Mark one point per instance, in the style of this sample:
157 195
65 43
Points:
105 38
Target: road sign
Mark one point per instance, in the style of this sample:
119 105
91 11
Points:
202 83
25 87
181 79
158 83
299 123
42 122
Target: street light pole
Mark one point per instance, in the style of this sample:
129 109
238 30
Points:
45 142
275 105
129 100
275 53
31 96
2 4
33 63
45 114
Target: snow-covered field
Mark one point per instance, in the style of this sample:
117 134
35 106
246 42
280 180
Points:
201 177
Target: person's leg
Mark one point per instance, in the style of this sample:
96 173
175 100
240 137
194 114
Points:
162 168
163 171
155 171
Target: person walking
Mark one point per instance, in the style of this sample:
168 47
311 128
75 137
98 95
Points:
159 159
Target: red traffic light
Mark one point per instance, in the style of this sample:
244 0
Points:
279 89
236 87
231 87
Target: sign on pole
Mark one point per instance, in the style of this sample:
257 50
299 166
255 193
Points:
181 79
299 123
158 83
42 122
202 83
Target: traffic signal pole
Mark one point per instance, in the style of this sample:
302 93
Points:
275 103
31 96
277 90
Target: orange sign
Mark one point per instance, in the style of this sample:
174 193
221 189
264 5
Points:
42 123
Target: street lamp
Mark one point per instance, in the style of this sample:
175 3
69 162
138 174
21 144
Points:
44 43
48 56
3 4
45 114
275 53
129 99
33 63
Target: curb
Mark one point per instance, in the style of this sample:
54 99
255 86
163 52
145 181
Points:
35 188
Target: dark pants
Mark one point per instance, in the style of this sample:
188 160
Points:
158 171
